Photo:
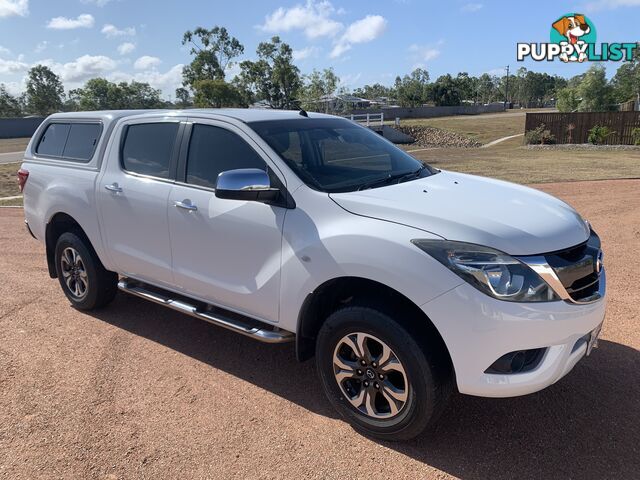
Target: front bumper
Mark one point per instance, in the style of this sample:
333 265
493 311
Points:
478 330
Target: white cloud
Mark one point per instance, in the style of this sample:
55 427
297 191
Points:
422 54
112 31
42 46
350 79
496 72
611 4
99 3
362 31
63 23
305 53
14 88
232 71
313 18
10 8
471 7
146 62
167 81
82 68
126 48
4 51
12 66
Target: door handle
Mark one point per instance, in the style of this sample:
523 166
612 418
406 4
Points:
114 187
186 206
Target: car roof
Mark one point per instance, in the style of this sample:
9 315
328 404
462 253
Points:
246 115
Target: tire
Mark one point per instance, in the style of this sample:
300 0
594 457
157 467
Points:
426 387
83 278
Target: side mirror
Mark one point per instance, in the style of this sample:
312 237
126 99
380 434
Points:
249 184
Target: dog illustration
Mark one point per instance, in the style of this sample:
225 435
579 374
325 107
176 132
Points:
572 27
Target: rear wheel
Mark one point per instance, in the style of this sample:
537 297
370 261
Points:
83 278
377 376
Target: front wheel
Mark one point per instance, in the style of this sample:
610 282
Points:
377 376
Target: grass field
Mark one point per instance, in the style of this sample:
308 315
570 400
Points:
15 202
13 144
481 129
513 162
9 180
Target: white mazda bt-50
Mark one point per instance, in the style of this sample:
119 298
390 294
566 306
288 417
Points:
403 280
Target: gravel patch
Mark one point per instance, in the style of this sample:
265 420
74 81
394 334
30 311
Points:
436 137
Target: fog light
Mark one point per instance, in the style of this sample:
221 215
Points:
519 361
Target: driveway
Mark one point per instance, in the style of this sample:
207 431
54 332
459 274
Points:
138 391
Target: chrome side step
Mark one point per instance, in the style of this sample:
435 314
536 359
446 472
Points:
234 322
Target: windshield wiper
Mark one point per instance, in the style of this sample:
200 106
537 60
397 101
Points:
397 178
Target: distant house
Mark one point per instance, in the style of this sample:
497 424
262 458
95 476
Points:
260 104
334 103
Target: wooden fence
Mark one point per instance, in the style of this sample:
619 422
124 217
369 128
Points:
574 127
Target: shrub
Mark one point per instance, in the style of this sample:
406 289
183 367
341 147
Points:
599 134
540 136
635 136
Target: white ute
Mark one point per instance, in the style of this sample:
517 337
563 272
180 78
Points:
403 280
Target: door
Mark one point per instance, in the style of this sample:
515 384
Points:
132 195
226 252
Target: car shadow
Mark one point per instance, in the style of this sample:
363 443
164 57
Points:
585 426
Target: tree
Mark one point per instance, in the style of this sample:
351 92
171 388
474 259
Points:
9 105
466 86
372 92
273 77
487 88
214 51
444 91
44 91
596 95
412 90
216 94
183 98
626 81
567 99
101 94
532 88
141 95
317 87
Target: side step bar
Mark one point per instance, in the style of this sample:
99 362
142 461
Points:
234 322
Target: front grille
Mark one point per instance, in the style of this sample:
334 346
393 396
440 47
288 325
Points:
578 268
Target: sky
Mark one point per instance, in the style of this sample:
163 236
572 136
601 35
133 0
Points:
364 41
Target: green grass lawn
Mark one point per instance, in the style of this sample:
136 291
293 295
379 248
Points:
13 144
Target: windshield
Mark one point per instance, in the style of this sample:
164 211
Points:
337 155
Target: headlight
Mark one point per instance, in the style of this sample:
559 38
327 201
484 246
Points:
490 271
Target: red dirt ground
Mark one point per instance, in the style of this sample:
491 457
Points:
137 391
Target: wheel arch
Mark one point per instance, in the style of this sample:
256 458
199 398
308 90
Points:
344 291
58 224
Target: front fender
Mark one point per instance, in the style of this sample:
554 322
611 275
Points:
322 241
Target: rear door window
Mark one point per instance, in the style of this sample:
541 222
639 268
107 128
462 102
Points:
148 148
